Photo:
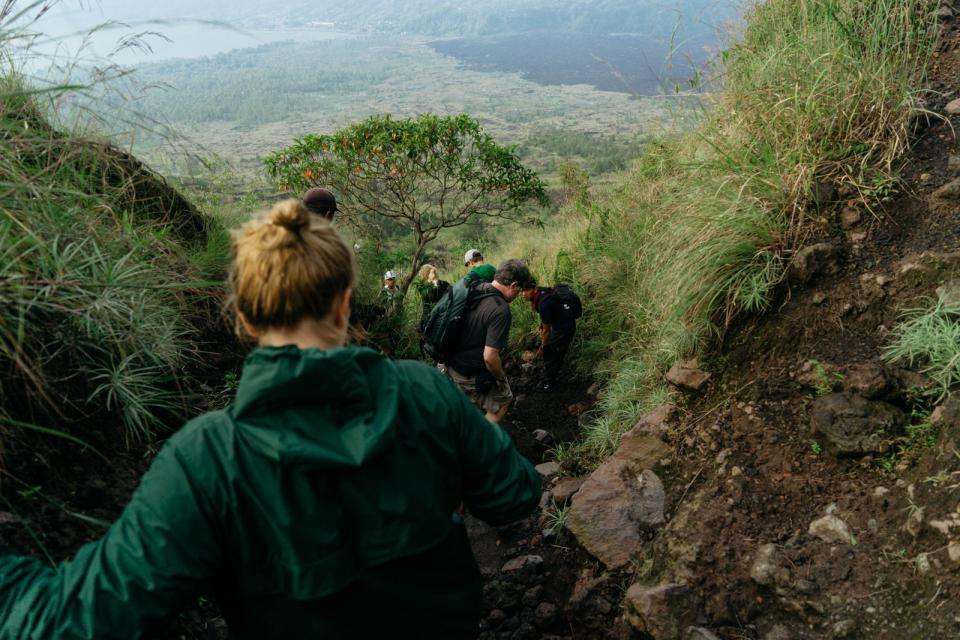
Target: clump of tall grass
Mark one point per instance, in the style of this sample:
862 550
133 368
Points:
702 227
929 338
92 282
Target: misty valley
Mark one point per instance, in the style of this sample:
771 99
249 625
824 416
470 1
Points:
576 91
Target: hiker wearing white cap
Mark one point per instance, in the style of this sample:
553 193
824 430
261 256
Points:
479 269
390 295
472 258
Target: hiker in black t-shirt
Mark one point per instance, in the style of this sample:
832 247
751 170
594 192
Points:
475 364
557 327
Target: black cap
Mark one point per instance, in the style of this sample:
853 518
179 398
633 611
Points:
320 201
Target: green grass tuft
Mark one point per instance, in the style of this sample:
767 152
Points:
97 271
929 338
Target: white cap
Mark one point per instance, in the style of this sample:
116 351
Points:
470 255
389 275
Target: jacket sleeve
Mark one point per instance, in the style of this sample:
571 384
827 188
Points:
499 484
150 563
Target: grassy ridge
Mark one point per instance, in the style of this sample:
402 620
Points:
701 228
97 265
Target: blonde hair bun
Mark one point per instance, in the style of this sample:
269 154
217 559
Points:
288 264
291 215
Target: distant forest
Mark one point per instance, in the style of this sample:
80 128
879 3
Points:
254 86
330 83
243 103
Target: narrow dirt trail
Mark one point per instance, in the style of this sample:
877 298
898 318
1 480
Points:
540 584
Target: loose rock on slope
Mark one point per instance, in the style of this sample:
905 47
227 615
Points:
853 425
613 509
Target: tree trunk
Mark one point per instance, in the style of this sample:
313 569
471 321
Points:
415 265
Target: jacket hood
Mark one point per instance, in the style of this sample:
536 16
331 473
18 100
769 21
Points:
332 408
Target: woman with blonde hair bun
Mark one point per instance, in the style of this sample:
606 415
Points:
319 504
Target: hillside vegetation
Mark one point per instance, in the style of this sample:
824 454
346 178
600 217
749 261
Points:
245 104
102 263
815 96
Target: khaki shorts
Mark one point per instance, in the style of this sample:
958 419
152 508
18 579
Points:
490 402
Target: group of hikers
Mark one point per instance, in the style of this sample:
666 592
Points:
472 357
326 500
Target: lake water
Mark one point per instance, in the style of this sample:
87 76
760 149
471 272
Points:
164 40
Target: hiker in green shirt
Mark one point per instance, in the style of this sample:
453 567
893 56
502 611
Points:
319 504
478 266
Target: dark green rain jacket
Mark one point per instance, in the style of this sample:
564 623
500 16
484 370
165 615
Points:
318 505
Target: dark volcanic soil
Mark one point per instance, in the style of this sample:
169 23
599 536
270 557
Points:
624 63
535 578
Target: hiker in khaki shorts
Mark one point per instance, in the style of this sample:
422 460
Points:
476 364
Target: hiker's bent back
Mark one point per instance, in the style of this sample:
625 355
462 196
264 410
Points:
319 504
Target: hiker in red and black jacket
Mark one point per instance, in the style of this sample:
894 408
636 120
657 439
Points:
559 307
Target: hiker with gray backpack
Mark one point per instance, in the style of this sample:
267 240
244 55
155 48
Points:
467 331
559 308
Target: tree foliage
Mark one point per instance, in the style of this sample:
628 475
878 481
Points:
418 176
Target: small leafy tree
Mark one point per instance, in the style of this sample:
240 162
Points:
414 176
